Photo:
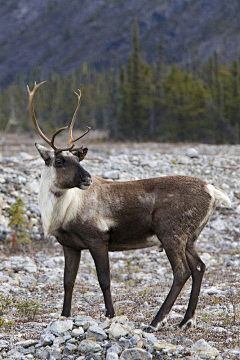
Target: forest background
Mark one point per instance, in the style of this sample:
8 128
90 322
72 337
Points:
134 96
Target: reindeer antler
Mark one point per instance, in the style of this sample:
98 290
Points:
70 138
51 142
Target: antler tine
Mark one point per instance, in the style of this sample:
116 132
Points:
56 133
71 140
31 99
86 132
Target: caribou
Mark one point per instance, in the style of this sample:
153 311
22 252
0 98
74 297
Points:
84 211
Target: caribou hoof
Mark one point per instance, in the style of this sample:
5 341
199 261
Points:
148 328
151 329
161 324
109 314
190 324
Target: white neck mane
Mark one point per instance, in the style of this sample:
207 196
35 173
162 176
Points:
56 205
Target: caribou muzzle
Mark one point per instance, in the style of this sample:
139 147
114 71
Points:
84 181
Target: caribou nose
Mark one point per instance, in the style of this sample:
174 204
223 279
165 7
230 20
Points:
86 182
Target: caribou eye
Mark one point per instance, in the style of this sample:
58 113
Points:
58 162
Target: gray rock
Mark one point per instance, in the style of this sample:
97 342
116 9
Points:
187 342
58 341
27 343
192 152
122 319
4 227
47 339
60 327
13 354
162 346
218 224
151 338
67 337
125 343
23 156
55 262
90 323
212 291
82 320
111 174
115 348
3 344
4 278
55 354
34 208
88 346
105 324
96 332
134 340
20 179
111 355
77 332
92 357
69 349
184 160
135 354
207 259
219 329
43 353
117 330
201 347
48 353
33 186
151 164
30 267
234 352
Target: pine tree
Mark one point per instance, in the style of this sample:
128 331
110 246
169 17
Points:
136 94
123 114
136 87
185 106
158 73
112 107
234 101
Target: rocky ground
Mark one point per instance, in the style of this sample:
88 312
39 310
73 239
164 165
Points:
31 290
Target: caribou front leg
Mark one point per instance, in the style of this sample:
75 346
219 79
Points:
72 259
101 260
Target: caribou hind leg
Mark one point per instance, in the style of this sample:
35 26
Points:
197 268
72 260
181 273
197 271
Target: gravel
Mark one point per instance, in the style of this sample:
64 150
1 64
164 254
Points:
31 290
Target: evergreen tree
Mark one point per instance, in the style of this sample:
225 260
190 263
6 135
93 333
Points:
113 132
123 114
135 86
157 114
234 100
134 93
185 103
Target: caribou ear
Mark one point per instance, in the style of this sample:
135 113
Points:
46 154
80 154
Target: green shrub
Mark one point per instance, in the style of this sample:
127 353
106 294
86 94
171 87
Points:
17 222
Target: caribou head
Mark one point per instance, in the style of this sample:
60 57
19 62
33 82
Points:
62 164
